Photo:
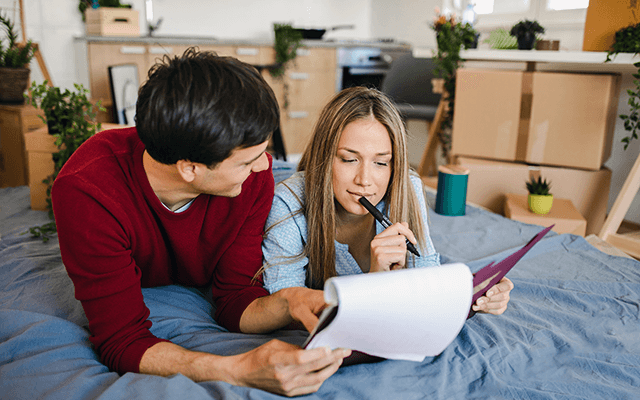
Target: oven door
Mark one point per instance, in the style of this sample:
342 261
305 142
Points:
362 76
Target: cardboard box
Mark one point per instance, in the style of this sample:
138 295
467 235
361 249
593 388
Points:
573 119
487 113
490 181
604 19
112 21
40 146
563 214
15 121
535 117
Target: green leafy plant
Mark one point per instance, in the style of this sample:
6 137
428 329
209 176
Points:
71 119
84 4
632 120
626 40
286 44
451 37
525 27
14 55
538 187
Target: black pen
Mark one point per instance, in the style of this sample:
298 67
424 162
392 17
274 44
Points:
384 221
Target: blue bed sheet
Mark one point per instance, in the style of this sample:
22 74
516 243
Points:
571 331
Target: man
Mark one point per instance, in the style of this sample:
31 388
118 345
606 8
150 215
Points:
182 199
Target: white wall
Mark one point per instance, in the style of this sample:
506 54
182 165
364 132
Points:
54 23
405 20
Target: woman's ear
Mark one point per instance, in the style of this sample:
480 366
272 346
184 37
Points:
187 170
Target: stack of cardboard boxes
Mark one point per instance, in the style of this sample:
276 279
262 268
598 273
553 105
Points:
510 126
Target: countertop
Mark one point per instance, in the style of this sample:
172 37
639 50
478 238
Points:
330 43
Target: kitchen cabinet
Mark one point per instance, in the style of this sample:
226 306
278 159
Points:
310 84
101 55
310 79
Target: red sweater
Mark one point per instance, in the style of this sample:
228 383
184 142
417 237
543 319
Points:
116 237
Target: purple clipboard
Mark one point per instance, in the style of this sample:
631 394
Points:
492 273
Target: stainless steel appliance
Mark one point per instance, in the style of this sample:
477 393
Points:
365 65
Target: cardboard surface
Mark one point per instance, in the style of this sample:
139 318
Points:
490 181
604 19
487 113
535 117
40 147
575 112
563 214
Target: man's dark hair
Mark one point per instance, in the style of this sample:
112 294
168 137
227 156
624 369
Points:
200 107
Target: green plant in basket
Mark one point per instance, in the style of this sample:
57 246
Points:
539 199
71 119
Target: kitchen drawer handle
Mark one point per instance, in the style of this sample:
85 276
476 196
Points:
247 51
298 114
299 76
161 50
132 50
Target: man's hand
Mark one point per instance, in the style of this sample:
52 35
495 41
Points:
496 299
281 309
304 305
276 366
283 368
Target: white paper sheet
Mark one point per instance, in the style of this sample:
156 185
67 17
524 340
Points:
406 314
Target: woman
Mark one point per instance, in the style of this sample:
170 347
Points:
317 229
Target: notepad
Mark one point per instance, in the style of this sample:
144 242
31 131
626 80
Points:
406 314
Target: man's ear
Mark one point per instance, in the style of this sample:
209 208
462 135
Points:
187 170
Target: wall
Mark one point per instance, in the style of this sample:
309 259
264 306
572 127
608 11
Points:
54 24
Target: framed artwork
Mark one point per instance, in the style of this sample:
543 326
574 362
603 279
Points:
124 91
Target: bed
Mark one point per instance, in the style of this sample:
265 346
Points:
572 329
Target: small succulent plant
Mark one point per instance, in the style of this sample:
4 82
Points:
539 187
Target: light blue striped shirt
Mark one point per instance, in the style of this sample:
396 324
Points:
284 242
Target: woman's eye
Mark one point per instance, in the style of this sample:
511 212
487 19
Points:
382 164
348 160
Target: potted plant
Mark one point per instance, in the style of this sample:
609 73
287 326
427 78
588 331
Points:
451 37
525 31
14 64
540 200
71 119
84 4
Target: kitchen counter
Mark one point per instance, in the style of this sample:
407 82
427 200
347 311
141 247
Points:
203 40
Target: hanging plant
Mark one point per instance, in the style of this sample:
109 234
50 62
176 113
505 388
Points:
632 120
286 44
627 40
451 37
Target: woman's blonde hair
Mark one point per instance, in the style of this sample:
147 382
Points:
348 106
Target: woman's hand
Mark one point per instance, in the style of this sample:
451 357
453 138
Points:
496 299
389 248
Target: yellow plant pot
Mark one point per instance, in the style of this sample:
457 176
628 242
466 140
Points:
540 204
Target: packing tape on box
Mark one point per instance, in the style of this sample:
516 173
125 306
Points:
451 198
526 102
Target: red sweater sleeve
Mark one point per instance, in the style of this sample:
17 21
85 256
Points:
95 251
235 284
